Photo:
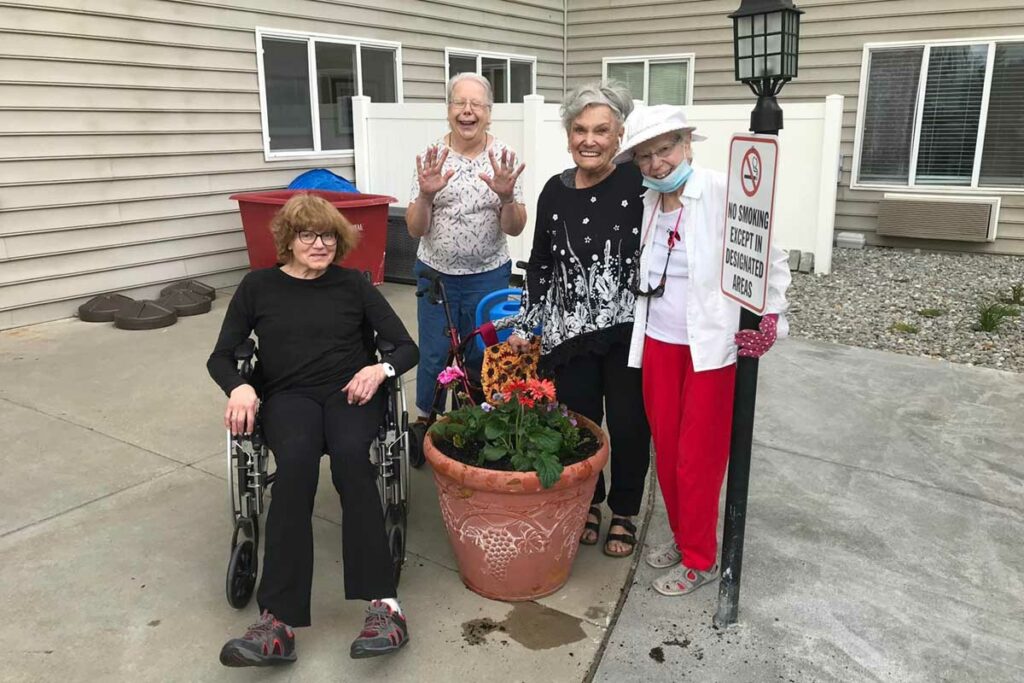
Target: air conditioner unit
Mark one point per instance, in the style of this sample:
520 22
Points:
939 217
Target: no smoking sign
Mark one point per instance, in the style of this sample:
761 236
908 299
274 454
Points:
750 172
749 214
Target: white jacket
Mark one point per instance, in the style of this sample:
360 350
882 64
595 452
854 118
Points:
712 320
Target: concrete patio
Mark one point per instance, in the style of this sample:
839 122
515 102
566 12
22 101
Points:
883 542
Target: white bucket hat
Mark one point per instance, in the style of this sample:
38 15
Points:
647 123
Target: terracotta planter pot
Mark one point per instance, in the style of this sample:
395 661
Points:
514 539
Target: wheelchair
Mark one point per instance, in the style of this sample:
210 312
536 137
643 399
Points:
248 458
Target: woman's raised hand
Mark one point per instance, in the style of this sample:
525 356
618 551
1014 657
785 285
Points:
240 416
364 384
503 183
430 171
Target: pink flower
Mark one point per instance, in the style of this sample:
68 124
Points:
450 375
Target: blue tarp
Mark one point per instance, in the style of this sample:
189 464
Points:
322 179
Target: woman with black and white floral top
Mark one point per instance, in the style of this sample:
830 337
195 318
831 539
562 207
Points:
586 247
465 199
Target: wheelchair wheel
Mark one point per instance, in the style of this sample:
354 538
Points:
241 579
394 526
417 430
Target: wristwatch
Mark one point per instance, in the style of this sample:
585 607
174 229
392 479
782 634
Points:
389 369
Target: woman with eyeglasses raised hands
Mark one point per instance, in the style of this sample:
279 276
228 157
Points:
685 335
465 199
319 386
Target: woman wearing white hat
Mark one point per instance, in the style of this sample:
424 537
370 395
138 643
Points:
685 335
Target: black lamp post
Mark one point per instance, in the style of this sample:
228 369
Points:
766 37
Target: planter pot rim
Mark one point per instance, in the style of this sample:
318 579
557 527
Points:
483 479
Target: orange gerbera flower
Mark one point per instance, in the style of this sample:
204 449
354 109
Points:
542 389
513 387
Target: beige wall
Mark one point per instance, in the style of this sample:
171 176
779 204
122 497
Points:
123 130
833 33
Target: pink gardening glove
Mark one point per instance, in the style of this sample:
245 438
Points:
755 343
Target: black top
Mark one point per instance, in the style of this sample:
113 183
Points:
311 332
586 246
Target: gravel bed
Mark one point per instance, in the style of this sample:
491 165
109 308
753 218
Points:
872 293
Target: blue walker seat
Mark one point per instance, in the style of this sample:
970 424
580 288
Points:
498 304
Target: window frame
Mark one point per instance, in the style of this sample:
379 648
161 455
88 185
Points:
975 187
479 55
311 39
689 57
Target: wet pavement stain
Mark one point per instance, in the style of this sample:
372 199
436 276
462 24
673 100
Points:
533 626
657 654
596 612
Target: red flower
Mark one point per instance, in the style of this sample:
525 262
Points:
541 389
526 401
513 387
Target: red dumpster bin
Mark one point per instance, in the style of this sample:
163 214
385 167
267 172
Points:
368 212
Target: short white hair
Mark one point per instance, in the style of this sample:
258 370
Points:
470 76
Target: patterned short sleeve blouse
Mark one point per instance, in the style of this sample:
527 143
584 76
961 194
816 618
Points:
465 234
583 265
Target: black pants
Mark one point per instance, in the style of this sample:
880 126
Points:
591 383
300 425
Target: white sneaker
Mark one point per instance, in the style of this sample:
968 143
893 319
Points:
682 580
664 555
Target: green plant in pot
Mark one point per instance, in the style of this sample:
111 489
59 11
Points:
515 477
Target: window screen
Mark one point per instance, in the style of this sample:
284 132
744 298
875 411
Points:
889 115
1004 133
286 75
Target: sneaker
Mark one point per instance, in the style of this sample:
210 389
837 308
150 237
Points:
267 642
664 555
681 580
384 631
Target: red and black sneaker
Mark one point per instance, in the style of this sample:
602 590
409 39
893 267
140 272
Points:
384 631
267 642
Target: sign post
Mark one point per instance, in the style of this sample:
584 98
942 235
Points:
746 257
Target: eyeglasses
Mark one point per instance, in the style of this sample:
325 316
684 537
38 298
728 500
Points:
655 292
672 240
475 105
662 152
328 239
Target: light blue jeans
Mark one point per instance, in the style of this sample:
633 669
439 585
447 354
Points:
464 292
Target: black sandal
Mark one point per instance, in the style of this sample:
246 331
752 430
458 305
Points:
629 538
592 526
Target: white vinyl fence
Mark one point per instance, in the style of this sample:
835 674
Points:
389 136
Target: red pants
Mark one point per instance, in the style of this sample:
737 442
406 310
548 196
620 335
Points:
690 414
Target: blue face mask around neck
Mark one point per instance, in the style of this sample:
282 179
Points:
672 182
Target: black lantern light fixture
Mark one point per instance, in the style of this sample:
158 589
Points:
766 41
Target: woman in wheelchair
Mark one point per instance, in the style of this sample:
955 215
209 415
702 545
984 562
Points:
319 383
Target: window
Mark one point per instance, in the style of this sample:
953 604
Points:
942 114
512 77
657 79
307 82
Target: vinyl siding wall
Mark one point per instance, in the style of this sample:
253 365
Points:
125 125
833 34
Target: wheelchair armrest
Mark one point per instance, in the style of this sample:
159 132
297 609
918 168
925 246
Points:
245 350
